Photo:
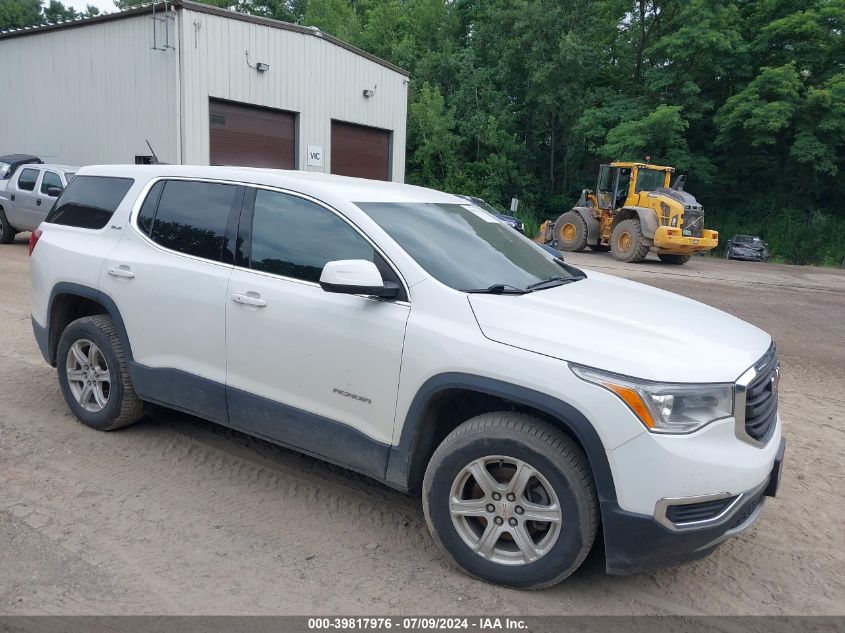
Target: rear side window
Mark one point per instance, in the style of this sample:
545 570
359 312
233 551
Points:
26 181
191 217
88 202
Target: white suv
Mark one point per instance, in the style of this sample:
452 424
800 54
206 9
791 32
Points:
406 334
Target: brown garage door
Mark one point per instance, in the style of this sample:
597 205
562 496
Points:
360 151
251 137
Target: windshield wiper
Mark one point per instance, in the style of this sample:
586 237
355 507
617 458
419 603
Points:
499 289
551 282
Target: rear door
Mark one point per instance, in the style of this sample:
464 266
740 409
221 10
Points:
23 196
168 277
308 368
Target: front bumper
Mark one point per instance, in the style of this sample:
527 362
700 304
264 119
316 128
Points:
669 239
749 256
636 542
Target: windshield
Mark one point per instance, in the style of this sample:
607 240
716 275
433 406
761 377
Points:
466 248
487 207
748 239
649 180
4 170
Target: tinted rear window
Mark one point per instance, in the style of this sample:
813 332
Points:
88 202
192 216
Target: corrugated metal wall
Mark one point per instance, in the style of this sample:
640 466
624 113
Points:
89 94
312 77
93 93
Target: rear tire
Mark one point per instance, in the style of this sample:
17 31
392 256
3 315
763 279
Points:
7 232
668 258
627 242
536 470
93 375
570 232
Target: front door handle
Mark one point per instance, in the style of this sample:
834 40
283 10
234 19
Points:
249 300
121 271
12 197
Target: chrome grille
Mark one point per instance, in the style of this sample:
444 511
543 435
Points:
757 400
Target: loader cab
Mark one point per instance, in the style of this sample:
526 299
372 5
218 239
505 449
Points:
621 183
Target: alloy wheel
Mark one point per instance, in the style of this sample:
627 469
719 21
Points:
88 375
505 510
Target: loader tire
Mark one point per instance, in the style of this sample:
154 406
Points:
570 232
627 242
669 258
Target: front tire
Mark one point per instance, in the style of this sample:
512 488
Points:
93 375
570 232
510 499
627 242
7 231
668 258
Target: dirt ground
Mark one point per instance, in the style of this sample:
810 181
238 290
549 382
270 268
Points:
178 516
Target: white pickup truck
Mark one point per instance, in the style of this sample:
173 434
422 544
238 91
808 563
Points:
29 195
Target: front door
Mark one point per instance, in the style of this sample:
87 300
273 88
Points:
314 370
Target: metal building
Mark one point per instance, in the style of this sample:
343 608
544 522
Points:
205 86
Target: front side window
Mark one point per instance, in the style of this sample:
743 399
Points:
88 202
191 217
295 238
465 247
50 179
26 181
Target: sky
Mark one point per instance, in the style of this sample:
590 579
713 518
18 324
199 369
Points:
102 5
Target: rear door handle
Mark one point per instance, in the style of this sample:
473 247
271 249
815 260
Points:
249 300
12 197
121 271
38 202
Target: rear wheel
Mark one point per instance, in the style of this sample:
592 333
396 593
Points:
93 375
627 242
7 232
668 258
510 499
570 232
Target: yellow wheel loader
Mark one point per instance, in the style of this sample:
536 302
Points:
634 210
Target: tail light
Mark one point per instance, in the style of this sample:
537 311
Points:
33 240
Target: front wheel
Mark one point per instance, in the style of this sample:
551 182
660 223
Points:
510 499
668 258
570 232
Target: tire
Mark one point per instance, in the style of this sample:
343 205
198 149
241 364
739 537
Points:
678 260
627 242
513 440
7 232
109 404
570 232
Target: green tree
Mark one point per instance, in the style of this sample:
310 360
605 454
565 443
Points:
16 14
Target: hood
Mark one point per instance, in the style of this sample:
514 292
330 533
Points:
624 327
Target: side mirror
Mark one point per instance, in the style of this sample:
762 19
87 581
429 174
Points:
356 277
54 192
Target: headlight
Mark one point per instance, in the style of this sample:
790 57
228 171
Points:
666 407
